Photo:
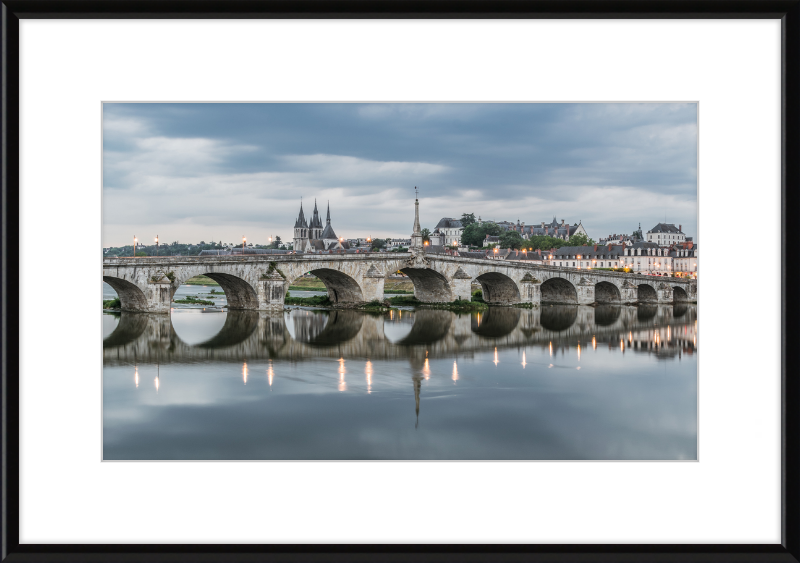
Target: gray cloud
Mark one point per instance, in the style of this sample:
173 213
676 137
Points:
209 171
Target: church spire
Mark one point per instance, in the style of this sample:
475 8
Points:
316 222
328 220
301 220
416 237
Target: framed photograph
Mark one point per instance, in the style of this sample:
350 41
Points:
390 281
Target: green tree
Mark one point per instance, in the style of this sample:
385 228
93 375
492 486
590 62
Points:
475 234
378 243
467 219
511 239
580 240
544 243
426 235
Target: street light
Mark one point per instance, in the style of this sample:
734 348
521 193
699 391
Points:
244 240
156 245
134 246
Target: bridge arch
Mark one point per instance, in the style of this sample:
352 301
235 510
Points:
606 292
646 293
131 297
430 286
679 295
238 292
559 290
341 287
499 288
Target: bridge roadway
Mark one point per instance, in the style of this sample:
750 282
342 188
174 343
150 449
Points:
259 282
252 335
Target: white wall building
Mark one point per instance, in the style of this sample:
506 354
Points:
685 260
666 234
447 232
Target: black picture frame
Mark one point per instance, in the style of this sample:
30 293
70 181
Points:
788 11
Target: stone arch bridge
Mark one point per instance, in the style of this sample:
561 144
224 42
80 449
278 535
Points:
260 282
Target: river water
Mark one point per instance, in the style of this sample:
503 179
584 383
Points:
555 383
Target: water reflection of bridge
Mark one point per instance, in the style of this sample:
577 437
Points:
302 334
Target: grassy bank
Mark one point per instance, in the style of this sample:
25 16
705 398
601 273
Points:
315 301
112 303
191 300
458 306
200 280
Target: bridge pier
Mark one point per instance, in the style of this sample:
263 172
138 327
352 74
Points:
159 296
628 293
664 292
461 285
372 284
585 291
530 290
271 291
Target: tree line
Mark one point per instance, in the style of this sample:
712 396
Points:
179 249
475 233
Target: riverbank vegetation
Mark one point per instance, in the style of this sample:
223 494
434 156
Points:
201 280
112 303
192 300
313 301
458 306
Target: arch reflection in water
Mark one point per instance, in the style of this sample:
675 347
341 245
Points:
606 315
323 327
496 322
397 325
314 404
341 334
559 317
430 326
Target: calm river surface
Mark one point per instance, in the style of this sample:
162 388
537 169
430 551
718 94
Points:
556 383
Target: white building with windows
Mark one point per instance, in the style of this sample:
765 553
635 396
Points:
398 242
666 234
447 232
685 260
647 258
587 257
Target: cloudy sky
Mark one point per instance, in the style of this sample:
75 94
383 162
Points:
191 172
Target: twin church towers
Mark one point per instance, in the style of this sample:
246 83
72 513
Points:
312 236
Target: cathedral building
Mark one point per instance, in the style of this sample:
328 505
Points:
312 236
